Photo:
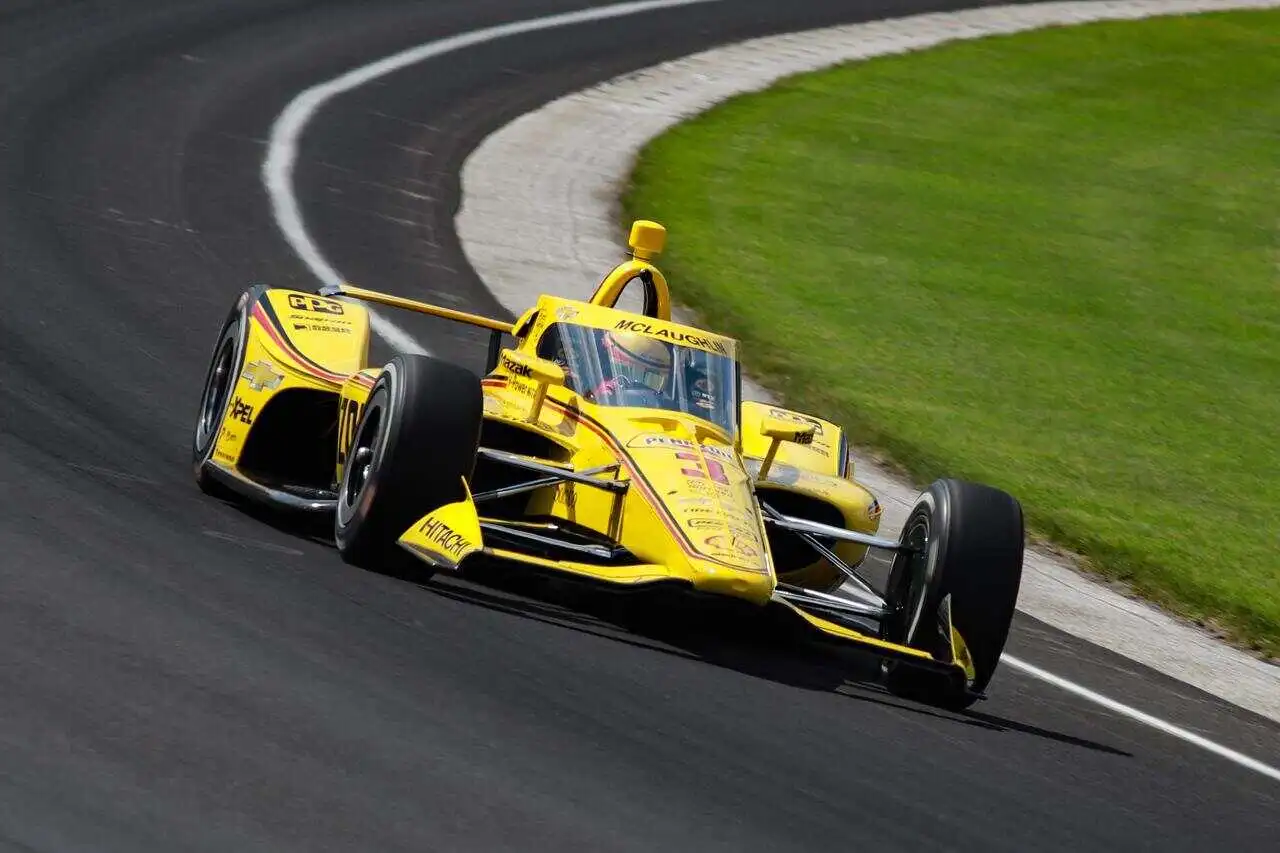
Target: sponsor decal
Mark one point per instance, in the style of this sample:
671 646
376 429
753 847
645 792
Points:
315 304
445 538
322 327
528 389
516 368
492 405
225 457
722 453
704 523
702 487
797 418
697 468
566 312
727 543
694 502
657 439
673 335
262 376
241 411
228 436
348 420
874 511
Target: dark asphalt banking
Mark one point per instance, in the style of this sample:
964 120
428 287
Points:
176 674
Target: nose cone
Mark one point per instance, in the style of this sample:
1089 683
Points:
704 489
717 578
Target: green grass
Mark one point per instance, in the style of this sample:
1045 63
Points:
1046 261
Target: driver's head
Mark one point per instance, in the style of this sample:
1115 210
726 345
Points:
640 359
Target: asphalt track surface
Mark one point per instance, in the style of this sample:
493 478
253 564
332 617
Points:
176 674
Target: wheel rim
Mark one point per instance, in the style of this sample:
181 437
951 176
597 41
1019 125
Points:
216 390
357 486
908 579
917 536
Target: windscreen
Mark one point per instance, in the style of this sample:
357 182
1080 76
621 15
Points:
612 367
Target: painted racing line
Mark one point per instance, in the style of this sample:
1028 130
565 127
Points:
289 127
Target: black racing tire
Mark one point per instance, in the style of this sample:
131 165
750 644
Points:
414 444
220 381
972 539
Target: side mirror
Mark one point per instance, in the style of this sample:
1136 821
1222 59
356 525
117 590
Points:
793 431
541 371
778 431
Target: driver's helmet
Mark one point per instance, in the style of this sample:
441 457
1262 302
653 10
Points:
639 360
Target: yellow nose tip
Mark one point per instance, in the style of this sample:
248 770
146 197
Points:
717 579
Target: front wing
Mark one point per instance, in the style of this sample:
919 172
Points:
457 532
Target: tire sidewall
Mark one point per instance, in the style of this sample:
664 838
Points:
386 400
205 439
923 577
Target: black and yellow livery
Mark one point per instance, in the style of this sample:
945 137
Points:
607 445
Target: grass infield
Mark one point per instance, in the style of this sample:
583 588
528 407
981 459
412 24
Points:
1046 261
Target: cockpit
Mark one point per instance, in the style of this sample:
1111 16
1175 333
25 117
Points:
626 366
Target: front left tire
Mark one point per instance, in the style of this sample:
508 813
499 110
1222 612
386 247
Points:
415 442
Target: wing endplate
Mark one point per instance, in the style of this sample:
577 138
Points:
882 648
446 536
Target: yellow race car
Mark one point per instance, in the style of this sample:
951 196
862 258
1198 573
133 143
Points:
607 445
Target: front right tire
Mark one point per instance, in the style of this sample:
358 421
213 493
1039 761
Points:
415 443
969 548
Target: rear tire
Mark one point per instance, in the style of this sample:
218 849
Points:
972 536
416 441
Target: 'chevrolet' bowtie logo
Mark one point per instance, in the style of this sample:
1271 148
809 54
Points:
261 375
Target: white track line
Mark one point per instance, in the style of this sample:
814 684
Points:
277 174
287 130
1142 717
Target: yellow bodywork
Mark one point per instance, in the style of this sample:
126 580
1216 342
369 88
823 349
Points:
819 472
691 506
690 513
292 341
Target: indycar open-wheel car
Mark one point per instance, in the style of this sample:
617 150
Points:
610 446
